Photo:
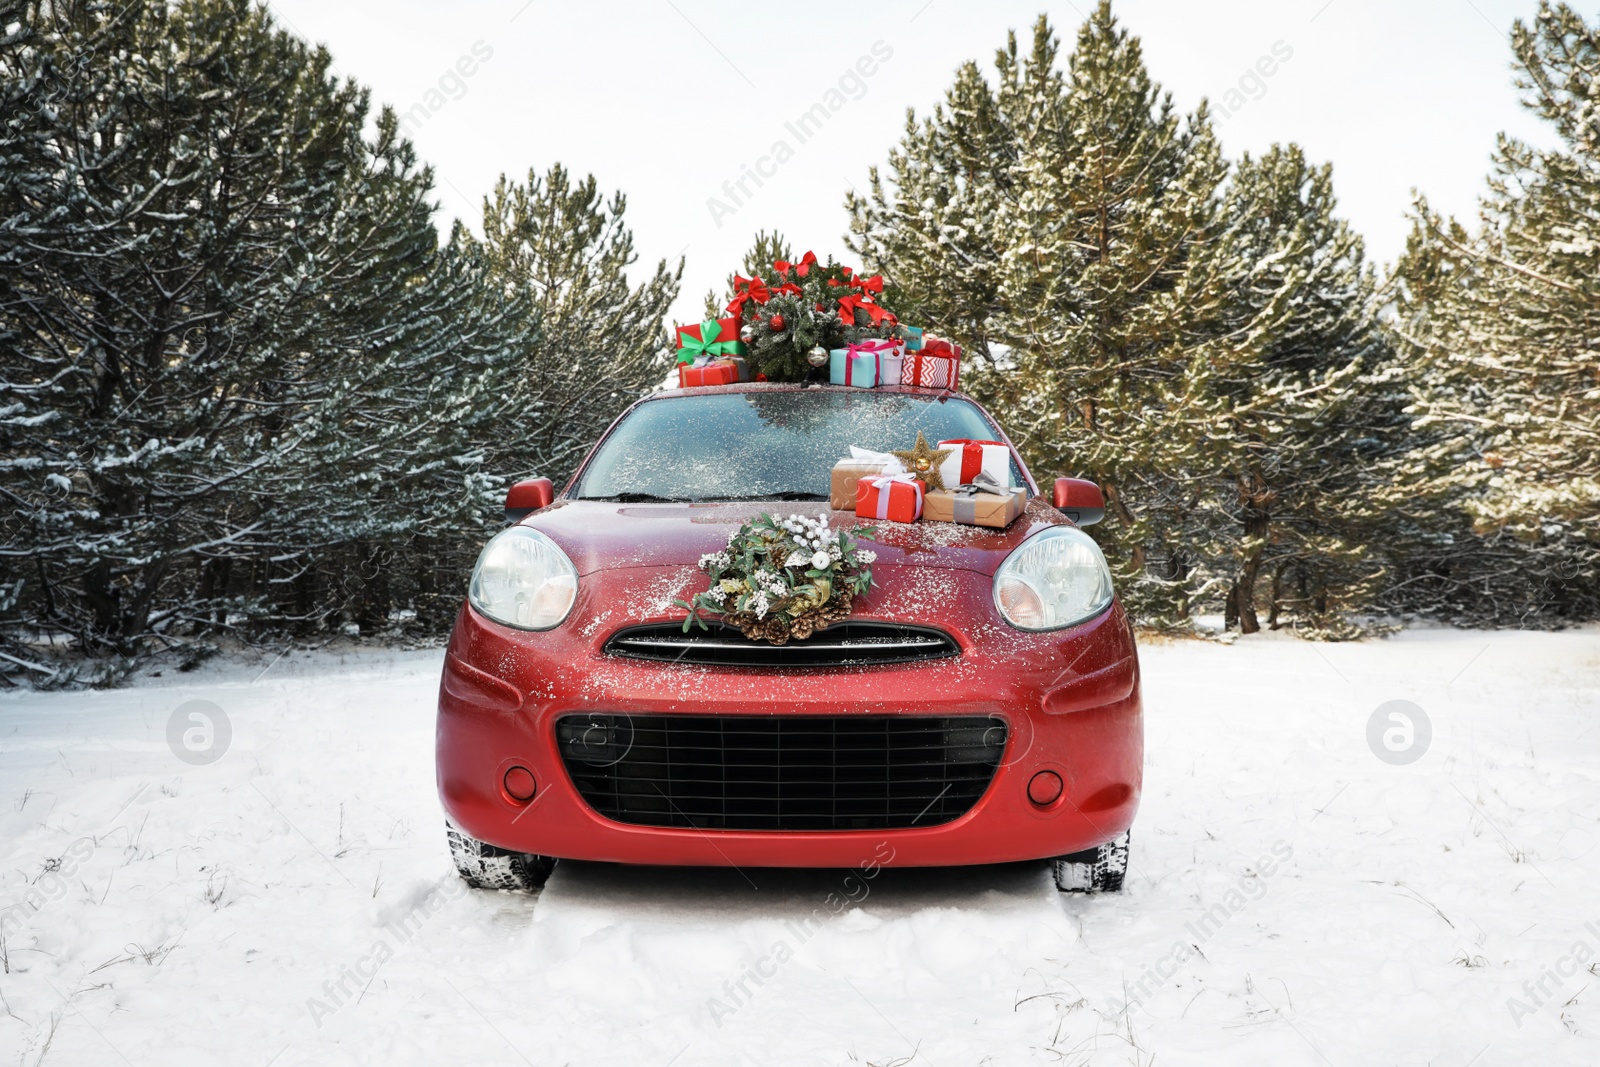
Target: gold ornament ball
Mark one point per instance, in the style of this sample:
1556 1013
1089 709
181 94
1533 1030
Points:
817 356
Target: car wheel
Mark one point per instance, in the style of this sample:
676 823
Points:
483 866
1095 870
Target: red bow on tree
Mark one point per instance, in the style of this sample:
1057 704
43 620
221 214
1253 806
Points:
801 269
873 284
787 288
849 305
747 289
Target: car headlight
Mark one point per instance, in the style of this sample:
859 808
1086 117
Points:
1057 578
523 579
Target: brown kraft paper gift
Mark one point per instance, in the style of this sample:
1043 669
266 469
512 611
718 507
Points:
974 509
846 473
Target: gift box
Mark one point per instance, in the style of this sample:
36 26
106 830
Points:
712 372
861 463
967 458
913 338
866 364
842 485
974 508
891 366
936 365
896 497
710 339
858 369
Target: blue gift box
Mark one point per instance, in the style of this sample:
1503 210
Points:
913 338
860 371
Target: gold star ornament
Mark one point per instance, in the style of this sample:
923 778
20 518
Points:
923 462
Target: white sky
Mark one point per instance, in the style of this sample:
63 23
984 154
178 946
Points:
667 100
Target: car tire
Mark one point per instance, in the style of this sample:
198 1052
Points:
484 866
1095 870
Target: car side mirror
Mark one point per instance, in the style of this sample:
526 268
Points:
1080 500
527 496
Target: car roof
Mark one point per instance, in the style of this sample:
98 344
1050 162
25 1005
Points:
792 387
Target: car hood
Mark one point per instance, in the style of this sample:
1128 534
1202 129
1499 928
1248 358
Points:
599 535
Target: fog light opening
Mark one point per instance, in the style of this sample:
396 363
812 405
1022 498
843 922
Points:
520 785
1044 789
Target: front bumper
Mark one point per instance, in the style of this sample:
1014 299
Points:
1070 699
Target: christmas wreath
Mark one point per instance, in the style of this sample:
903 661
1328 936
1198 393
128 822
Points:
794 314
782 578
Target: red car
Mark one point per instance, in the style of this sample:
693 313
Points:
980 704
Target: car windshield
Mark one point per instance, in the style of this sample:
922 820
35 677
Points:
764 445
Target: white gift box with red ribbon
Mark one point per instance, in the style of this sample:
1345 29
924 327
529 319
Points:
968 457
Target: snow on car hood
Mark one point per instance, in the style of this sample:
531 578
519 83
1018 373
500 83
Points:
599 535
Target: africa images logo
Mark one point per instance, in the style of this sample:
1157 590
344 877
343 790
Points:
199 732
1399 732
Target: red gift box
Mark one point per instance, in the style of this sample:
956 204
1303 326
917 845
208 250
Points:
896 497
717 372
725 343
936 365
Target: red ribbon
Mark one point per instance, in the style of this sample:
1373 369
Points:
801 269
847 309
747 289
848 305
971 456
933 349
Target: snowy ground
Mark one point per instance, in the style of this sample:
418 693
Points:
174 914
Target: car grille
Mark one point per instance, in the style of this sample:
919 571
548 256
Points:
846 644
781 772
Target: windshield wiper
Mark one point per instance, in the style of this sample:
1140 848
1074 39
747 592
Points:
638 498
786 494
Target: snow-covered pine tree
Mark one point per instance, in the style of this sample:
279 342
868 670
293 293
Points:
1294 361
1500 328
1194 344
1442 567
1060 224
218 306
603 342
408 481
